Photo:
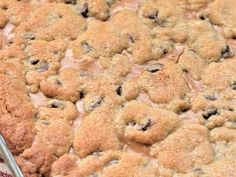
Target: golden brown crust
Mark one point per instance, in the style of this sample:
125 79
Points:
185 149
222 13
96 133
45 25
120 88
164 84
35 161
17 113
144 124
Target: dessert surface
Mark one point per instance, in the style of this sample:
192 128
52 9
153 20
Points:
119 88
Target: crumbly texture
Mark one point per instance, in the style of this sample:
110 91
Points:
164 83
144 124
185 149
43 60
119 88
222 13
96 133
109 163
220 76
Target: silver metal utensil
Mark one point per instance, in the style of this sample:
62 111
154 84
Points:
9 159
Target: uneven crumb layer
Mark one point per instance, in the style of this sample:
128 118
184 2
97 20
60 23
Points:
119 88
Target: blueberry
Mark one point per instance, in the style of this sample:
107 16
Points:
147 125
154 67
209 112
119 90
43 66
210 97
226 52
233 85
84 11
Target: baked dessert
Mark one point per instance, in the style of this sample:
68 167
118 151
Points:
119 88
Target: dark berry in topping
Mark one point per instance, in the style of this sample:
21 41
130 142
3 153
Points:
132 123
209 112
119 90
202 17
153 16
227 53
147 125
45 122
233 86
112 162
29 36
131 39
87 48
43 66
96 103
164 51
58 82
81 95
84 11
70 1
154 67
210 97
34 62
55 105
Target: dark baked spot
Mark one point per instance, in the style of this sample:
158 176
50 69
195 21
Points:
154 67
84 11
119 90
210 97
87 48
147 125
111 162
226 53
209 112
